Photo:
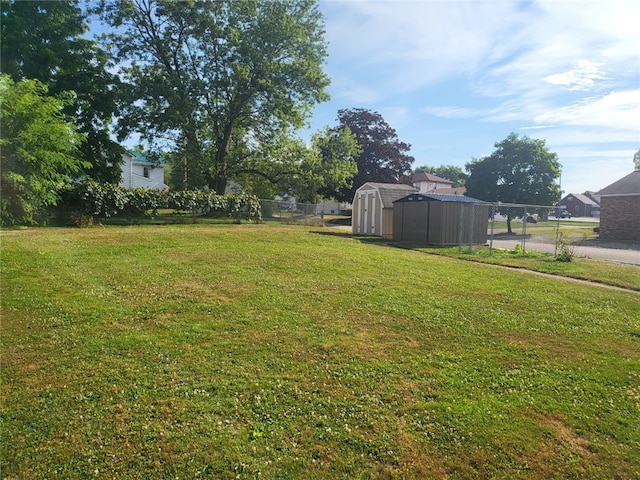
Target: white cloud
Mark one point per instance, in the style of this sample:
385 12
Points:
407 45
582 77
395 116
450 112
353 92
619 110
576 45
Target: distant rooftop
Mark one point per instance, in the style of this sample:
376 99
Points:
429 177
141 158
583 198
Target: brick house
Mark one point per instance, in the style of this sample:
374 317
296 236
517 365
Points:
620 209
580 205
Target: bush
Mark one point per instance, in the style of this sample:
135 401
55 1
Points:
87 200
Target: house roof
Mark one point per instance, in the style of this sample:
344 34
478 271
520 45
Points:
439 197
629 185
593 196
389 192
142 159
582 198
429 177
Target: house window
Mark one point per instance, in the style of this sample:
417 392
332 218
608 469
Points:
146 172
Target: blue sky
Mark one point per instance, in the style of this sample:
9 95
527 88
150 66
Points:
455 77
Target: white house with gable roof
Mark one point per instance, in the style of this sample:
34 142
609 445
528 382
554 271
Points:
139 171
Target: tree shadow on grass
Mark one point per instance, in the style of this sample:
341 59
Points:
377 240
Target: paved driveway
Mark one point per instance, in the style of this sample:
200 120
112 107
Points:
618 252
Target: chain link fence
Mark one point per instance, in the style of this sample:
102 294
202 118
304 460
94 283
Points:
518 224
290 211
540 224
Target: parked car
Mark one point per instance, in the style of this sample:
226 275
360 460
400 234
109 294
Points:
563 214
531 219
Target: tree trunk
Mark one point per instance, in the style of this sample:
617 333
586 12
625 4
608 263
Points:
221 184
218 181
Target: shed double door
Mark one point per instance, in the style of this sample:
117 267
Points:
368 216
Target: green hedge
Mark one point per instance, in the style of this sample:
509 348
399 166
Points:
89 200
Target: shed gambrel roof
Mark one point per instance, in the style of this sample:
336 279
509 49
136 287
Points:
389 192
629 185
439 197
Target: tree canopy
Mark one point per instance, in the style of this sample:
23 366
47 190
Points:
315 172
383 158
332 165
636 160
521 170
38 149
45 41
217 82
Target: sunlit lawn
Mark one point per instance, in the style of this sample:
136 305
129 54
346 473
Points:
598 271
246 351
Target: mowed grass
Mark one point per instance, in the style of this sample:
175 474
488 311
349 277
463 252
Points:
598 271
258 351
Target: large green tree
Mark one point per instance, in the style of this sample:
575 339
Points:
218 82
308 173
383 157
45 40
636 160
38 150
521 170
331 165
448 172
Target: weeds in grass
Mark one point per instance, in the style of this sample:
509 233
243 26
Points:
565 249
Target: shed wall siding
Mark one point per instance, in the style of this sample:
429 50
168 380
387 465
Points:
440 223
410 222
386 223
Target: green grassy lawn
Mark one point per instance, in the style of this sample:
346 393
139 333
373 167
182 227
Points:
262 351
597 271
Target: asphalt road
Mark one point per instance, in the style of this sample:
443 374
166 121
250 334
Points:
629 255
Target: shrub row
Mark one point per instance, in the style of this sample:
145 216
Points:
88 200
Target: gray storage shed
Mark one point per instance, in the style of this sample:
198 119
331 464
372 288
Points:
440 219
372 212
